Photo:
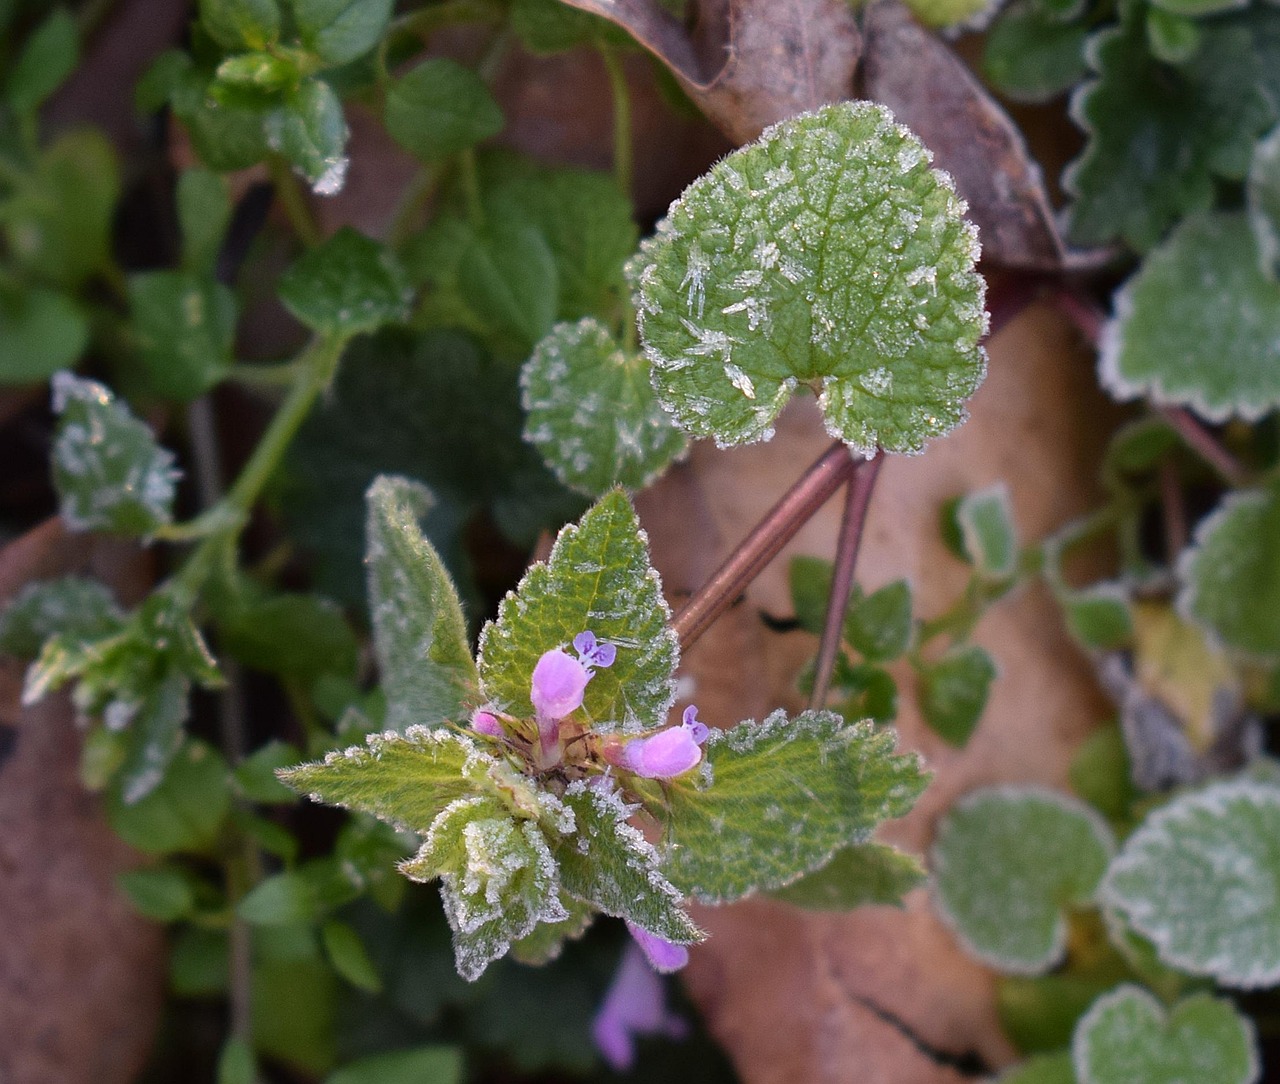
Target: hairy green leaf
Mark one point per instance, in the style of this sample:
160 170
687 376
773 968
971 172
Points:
598 578
419 632
778 799
829 255
1098 617
1007 862
592 412
1201 878
109 472
1128 1037
161 892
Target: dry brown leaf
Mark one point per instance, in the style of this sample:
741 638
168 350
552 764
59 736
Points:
865 996
754 62
934 93
81 974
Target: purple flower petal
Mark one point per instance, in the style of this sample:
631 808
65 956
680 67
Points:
634 1005
484 722
585 642
662 954
697 730
662 755
559 681
593 652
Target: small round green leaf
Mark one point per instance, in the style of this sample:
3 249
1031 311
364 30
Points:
1031 55
184 325
162 893
1197 325
339 31
1099 616
830 255
878 625
592 412
41 331
440 108
953 691
1231 575
347 285
1201 879
1007 862
1127 1037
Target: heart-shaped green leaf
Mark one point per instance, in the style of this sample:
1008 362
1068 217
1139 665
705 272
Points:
1201 879
1007 862
1128 1037
592 412
828 254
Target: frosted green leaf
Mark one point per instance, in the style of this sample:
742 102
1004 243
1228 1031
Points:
499 879
419 633
775 800
986 526
1231 574
1197 325
41 331
547 940
1128 1037
346 285
309 129
1099 616
592 412
866 873
827 254
1263 195
597 579
1007 862
80 609
1201 879
406 779
1158 136
878 625
610 864
1042 1069
109 472
439 108
339 31
184 326
954 690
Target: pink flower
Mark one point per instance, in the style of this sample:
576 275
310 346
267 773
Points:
669 752
485 722
559 680
663 955
635 1005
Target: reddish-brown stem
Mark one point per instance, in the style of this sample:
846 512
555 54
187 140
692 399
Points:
780 524
1196 437
857 500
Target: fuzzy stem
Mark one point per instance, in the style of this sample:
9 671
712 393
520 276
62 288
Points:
779 525
857 501
1196 437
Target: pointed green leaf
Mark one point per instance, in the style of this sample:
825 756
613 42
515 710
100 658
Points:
953 691
41 331
1158 136
1231 575
1128 1037
866 873
1007 862
347 285
1263 192
47 58
419 633
339 31
1201 879
592 412
598 578
608 863
301 636
986 526
349 957
406 779
1197 325
309 129
499 879
184 325
83 610
439 108
109 472
775 800
827 254
878 625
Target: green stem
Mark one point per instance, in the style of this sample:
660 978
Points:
621 118
294 201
